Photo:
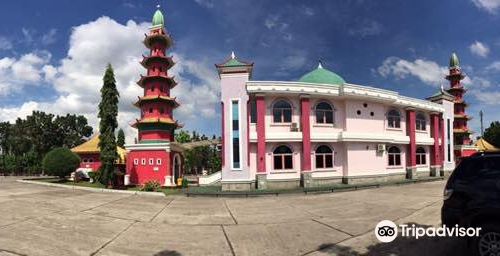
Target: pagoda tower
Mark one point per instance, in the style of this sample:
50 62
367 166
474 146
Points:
461 133
150 158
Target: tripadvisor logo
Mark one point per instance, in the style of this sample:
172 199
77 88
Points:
386 231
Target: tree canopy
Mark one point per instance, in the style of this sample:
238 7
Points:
492 134
25 142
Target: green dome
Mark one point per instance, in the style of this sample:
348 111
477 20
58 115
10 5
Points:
158 18
454 61
322 76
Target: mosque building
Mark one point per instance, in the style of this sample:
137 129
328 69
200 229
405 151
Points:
322 130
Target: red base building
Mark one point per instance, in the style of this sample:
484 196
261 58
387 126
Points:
461 133
155 156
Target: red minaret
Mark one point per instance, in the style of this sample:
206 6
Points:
157 123
154 156
461 133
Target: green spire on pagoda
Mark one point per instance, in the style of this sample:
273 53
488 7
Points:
158 18
454 63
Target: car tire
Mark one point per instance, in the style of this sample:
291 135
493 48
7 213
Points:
488 242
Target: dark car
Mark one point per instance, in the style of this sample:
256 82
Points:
472 199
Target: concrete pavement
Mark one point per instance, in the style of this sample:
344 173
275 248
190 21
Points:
40 220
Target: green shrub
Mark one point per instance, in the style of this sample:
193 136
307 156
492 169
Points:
92 176
60 162
152 185
184 182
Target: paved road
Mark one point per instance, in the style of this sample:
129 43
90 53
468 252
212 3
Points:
41 220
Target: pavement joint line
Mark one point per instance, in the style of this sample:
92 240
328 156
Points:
13 252
162 209
230 212
113 239
31 218
111 217
332 227
112 201
227 240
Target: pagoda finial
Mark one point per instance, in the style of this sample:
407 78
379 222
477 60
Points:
320 64
158 19
454 62
233 56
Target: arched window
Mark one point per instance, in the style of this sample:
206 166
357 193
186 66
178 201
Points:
282 112
283 158
394 155
420 122
421 157
324 157
393 119
324 113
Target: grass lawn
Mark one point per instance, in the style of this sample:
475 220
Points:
166 191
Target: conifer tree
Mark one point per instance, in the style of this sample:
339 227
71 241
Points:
120 139
108 110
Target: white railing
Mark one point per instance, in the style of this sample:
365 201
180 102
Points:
210 179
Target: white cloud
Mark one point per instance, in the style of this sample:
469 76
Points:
489 5
49 37
276 24
5 44
366 28
78 78
479 49
205 3
28 70
426 71
28 35
495 66
487 97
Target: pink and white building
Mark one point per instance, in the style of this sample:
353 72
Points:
322 130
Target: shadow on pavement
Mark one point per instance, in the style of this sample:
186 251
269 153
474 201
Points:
405 246
167 253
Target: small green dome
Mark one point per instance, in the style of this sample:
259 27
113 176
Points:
454 61
322 76
158 18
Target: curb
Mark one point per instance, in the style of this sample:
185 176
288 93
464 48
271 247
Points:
104 190
316 190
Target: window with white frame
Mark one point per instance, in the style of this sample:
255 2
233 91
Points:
136 161
158 161
151 161
324 113
282 112
143 161
324 157
420 122
283 158
393 119
394 156
421 156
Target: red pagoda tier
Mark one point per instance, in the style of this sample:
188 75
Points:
461 133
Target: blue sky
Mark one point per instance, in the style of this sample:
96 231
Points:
53 53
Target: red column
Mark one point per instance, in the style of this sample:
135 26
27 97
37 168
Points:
443 145
435 157
261 134
305 107
223 134
410 131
